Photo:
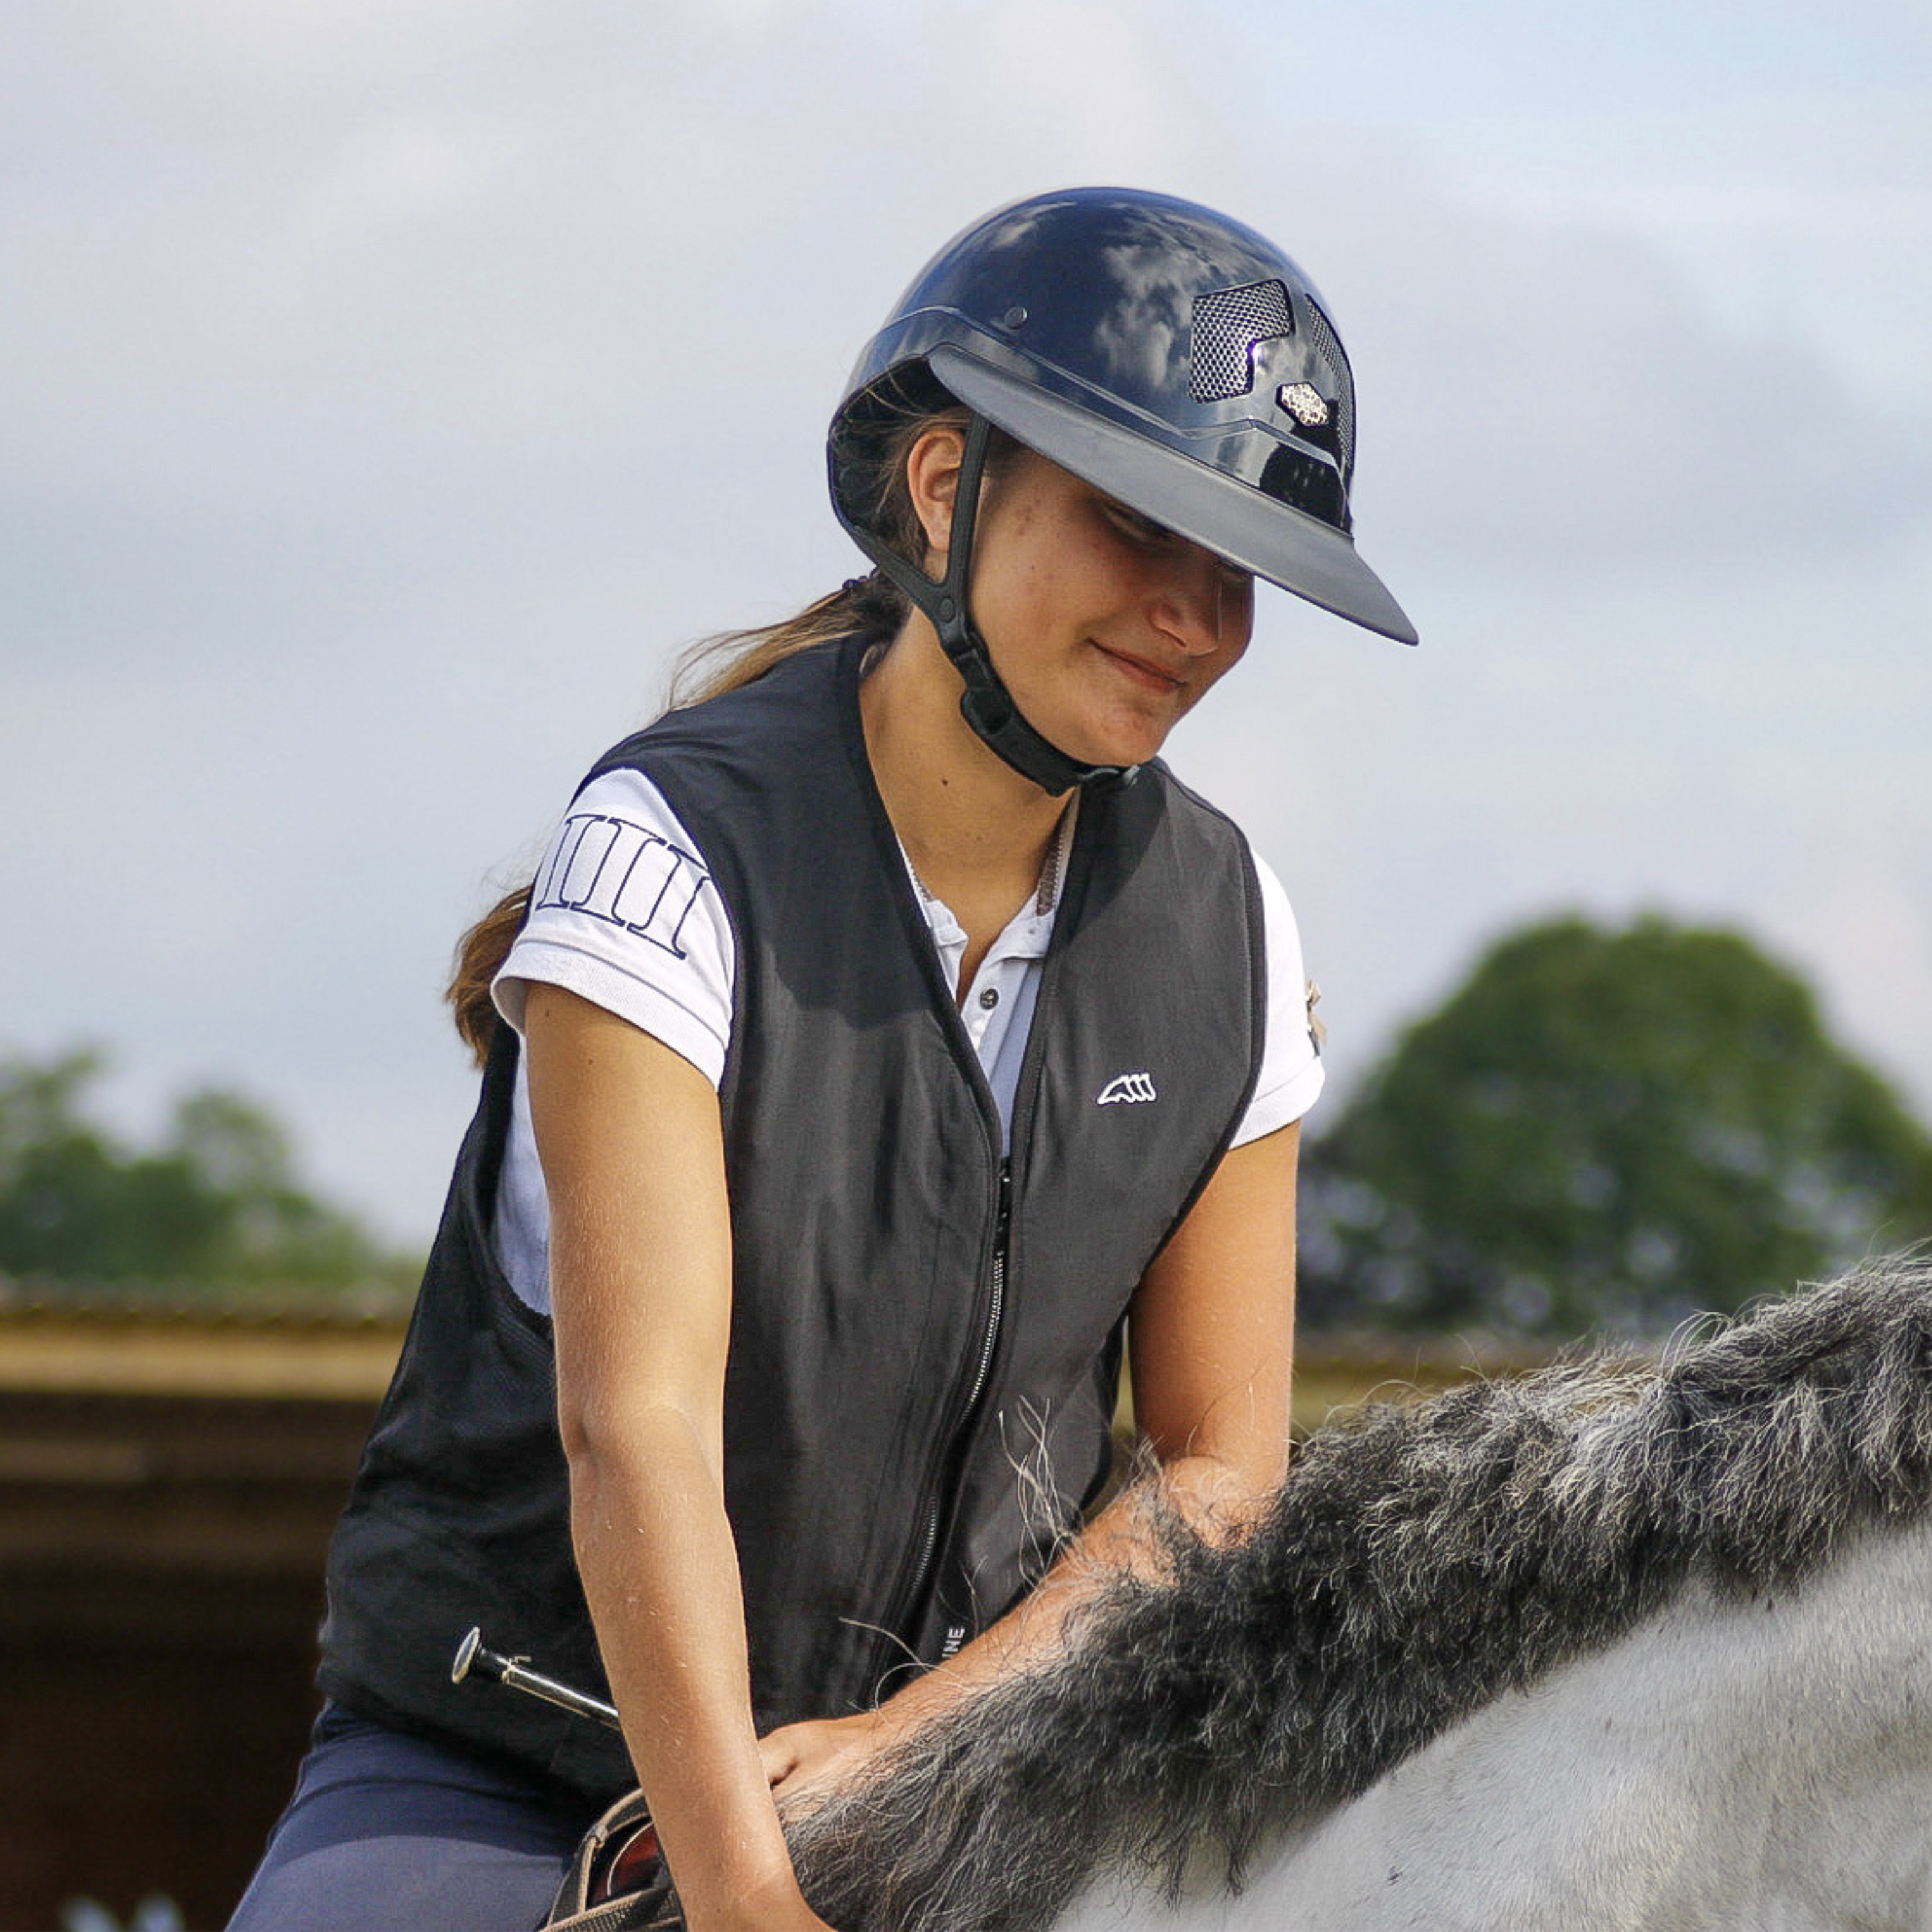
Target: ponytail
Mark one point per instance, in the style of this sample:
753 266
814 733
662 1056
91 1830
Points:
868 607
480 953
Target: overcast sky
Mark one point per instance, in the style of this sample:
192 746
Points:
391 388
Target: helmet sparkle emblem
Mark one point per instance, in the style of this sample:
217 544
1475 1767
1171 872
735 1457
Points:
1302 402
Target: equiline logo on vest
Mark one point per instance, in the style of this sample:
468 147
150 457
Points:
1127 1087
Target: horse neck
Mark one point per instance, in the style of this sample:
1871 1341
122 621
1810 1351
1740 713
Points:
1732 1762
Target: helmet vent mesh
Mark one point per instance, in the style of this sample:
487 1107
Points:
1228 324
1321 339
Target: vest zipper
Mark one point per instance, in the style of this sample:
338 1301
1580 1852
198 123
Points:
989 1340
997 1301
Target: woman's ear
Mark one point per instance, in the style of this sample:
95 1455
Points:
932 482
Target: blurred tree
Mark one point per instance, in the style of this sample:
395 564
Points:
216 1206
1606 1128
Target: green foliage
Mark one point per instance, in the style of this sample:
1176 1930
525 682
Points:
1607 1129
215 1207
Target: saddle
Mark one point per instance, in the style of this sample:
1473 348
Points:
617 1882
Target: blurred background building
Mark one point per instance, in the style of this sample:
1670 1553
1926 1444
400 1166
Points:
168 1481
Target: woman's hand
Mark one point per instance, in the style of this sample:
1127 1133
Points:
821 1753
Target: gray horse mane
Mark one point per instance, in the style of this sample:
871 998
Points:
1419 1562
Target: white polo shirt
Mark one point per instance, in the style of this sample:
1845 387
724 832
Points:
624 913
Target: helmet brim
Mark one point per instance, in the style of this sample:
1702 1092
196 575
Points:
1309 558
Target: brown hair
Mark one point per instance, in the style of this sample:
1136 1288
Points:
871 606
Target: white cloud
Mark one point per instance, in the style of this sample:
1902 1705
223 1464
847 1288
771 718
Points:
306 47
1795 212
403 171
1097 86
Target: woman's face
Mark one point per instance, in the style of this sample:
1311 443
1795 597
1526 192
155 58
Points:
1106 629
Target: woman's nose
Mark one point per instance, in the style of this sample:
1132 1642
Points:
1203 605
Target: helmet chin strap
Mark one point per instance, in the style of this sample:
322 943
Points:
985 704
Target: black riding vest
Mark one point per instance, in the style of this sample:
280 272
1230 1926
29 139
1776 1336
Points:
924 1337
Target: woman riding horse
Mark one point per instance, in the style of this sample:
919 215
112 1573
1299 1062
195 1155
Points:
881 1035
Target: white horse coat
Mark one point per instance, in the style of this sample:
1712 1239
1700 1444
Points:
1754 1764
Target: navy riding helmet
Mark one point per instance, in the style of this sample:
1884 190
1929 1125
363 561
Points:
1163 353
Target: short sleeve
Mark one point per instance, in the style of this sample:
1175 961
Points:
624 913
1291 1074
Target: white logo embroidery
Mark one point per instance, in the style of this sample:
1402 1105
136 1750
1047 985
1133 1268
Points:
1127 1087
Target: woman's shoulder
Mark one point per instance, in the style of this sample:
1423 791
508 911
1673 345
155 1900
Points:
624 913
1177 795
623 798
1158 812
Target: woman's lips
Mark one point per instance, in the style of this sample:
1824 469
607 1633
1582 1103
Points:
1149 677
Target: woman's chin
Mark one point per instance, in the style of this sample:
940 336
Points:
1105 734
1128 741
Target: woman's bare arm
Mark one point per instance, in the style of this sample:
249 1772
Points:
640 1284
1212 1336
